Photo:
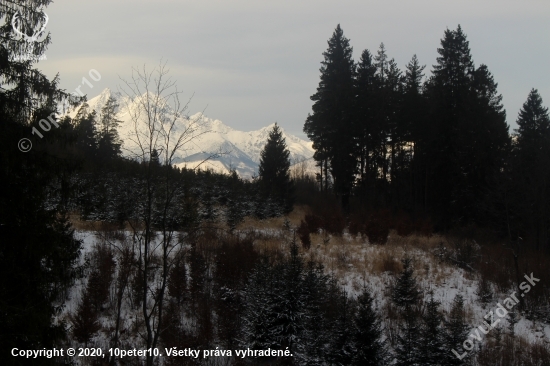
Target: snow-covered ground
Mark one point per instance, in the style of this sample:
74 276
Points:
356 263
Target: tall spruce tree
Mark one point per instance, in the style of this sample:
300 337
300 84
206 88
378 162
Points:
531 171
274 173
108 140
448 92
330 127
382 113
38 253
85 128
413 130
367 131
485 144
468 132
393 90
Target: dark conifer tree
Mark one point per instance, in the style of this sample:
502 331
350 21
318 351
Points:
468 132
408 351
108 141
330 127
413 129
456 332
485 144
367 131
432 334
85 128
406 297
342 348
448 92
531 171
311 348
370 346
274 173
382 113
259 314
85 321
393 92
290 300
38 253
405 291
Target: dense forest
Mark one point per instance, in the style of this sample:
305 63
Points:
436 146
109 249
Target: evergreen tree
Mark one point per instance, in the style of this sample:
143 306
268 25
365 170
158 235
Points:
456 332
311 348
289 301
367 334
367 131
85 127
85 321
485 144
467 132
342 348
38 253
274 173
448 92
259 314
393 93
405 291
108 140
406 296
531 171
330 127
408 351
432 333
413 129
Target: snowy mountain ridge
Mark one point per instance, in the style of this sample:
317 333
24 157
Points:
241 149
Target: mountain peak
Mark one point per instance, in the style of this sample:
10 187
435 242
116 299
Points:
241 148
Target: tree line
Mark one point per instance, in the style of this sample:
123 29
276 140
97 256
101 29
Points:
435 145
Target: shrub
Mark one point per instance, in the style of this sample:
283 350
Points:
423 227
355 226
313 223
303 233
377 227
403 224
335 222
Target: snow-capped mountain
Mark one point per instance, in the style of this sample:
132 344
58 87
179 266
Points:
239 150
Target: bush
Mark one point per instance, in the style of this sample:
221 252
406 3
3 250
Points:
313 223
403 224
335 222
355 226
303 233
377 227
423 227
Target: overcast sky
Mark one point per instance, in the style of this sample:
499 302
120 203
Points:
256 62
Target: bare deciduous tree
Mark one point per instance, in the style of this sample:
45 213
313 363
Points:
161 129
